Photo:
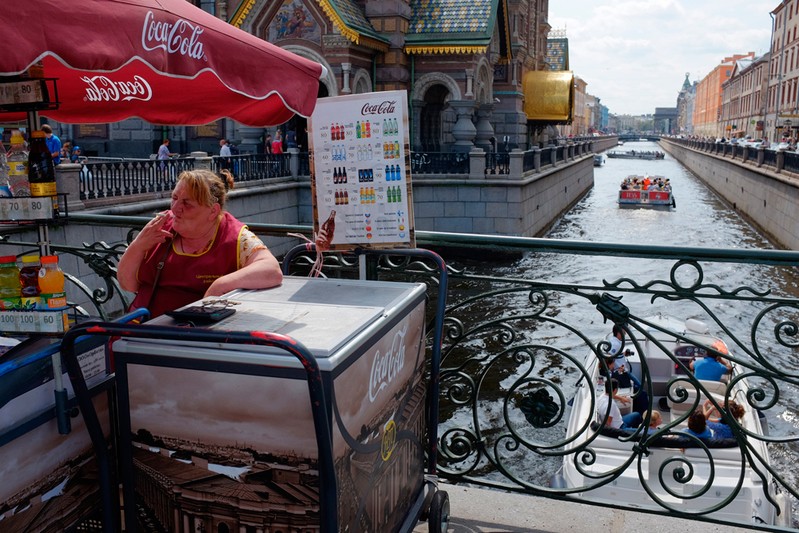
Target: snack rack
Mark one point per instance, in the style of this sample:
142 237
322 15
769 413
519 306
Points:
42 211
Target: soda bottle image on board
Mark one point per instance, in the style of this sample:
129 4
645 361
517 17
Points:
326 231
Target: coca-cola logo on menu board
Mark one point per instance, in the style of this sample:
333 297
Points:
104 89
383 108
181 37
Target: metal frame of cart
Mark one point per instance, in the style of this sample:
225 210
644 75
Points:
430 503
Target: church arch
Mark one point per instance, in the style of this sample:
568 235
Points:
327 79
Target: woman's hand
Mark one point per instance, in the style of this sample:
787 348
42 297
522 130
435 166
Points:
153 234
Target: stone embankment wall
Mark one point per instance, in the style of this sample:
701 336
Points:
524 206
765 198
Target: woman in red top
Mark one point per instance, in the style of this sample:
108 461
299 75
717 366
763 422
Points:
200 249
277 144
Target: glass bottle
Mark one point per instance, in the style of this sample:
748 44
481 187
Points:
41 171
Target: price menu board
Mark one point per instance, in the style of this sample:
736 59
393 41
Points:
360 175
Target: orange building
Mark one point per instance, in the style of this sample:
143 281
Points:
707 107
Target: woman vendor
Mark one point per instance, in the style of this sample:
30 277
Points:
195 249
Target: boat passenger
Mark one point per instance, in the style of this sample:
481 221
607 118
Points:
711 367
615 419
195 249
716 423
655 419
616 340
697 426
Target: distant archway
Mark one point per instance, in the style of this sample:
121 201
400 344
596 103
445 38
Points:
435 90
361 82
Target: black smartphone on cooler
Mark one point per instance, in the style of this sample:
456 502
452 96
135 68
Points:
198 314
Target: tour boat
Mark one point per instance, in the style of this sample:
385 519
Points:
636 154
675 472
646 191
599 160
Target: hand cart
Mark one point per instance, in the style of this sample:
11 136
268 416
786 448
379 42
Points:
370 408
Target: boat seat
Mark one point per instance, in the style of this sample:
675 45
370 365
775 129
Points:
716 388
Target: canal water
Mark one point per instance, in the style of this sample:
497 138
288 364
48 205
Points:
700 219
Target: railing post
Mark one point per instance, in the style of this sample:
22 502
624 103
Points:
780 160
202 161
516 163
294 164
67 179
477 163
761 155
537 159
553 155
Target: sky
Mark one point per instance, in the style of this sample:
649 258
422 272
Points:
634 54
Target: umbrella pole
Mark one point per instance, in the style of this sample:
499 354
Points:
33 122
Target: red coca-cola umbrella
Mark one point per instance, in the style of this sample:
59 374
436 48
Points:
165 61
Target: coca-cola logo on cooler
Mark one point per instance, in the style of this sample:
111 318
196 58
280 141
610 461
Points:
103 89
386 367
181 37
383 108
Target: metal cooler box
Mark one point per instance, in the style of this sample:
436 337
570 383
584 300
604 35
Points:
223 436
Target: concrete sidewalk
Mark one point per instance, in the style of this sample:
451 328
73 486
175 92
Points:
489 511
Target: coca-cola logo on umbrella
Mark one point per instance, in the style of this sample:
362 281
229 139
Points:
181 37
104 89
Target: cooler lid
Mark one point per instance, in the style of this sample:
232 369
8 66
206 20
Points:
322 314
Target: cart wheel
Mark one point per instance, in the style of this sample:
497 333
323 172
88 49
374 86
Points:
438 519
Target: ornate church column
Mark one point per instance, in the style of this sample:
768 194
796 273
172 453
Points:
345 73
484 128
464 130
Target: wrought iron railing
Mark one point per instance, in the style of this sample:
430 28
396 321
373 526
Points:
439 163
519 346
118 178
518 350
497 163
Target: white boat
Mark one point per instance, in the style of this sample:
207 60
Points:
652 480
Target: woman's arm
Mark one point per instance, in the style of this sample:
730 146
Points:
262 271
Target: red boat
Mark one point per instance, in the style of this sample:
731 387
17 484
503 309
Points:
646 191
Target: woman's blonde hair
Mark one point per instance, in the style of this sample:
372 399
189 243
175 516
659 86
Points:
207 188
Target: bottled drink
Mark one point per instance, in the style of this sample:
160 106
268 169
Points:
41 171
29 281
51 283
9 282
17 159
4 188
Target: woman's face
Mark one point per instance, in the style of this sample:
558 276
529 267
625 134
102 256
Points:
190 218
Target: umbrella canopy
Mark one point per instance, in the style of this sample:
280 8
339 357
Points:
165 61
